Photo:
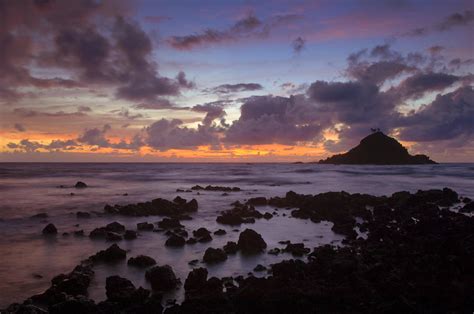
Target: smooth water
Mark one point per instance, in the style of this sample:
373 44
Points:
30 188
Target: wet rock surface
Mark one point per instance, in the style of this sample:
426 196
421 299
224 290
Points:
50 229
416 257
178 208
215 188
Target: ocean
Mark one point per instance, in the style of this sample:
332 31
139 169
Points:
29 261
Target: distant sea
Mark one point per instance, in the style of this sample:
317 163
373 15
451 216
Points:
28 261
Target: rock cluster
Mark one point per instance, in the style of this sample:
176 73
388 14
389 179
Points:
179 208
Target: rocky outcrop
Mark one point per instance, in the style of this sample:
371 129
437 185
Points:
250 242
161 278
378 149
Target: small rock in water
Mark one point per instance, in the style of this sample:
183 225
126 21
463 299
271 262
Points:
175 241
145 226
212 256
141 261
80 185
130 235
50 229
259 268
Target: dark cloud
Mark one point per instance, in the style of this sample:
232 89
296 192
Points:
417 85
95 42
250 26
298 44
448 117
19 127
213 110
157 104
449 22
84 109
170 134
269 119
24 112
456 19
234 88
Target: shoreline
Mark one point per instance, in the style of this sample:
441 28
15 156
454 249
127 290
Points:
410 241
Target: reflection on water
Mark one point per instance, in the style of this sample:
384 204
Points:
28 189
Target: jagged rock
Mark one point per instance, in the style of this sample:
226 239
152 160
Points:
216 188
257 201
259 268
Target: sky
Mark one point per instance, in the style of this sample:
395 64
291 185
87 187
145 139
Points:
233 81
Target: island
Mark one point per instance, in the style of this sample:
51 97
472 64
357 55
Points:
378 149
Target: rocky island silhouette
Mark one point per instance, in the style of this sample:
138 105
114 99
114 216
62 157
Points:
378 149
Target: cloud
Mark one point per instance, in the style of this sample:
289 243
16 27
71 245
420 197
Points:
298 44
417 85
247 27
457 19
19 127
170 134
213 110
234 88
94 43
270 119
24 112
448 117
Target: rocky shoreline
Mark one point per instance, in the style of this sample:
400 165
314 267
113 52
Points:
408 252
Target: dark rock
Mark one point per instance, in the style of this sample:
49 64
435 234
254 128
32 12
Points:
169 223
50 229
80 185
98 233
191 241
257 201
113 236
162 278
220 232
212 256
179 200
267 216
296 249
83 215
467 208
259 268
40 215
119 289
193 262
112 254
202 235
141 261
378 149
145 226
274 251
250 242
175 241
76 305
196 279
115 227
215 188
130 235
231 247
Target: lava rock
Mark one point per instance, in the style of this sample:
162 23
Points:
80 185
112 254
141 261
212 256
259 268
145 226
50 229
113 236
220 232
231 247
169 223
115 227
130 235
161 278
196 279
250 242
175 241
83 215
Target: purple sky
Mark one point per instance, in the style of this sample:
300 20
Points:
150 80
